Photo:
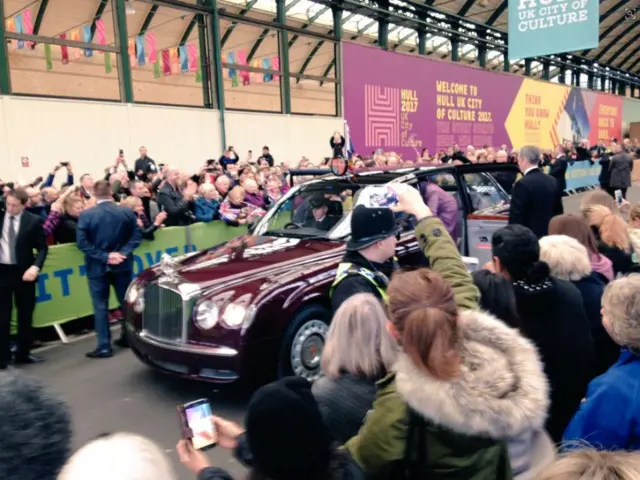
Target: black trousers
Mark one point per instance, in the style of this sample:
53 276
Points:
14 289
612 191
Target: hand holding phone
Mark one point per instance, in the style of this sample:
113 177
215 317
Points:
197 419
618 195
379 197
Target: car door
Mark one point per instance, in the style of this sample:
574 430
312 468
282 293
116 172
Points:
486 206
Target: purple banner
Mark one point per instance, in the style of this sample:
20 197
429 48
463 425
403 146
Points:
406 103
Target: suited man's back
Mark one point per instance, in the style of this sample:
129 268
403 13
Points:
534 201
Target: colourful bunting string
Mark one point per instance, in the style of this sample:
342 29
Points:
151 43
88 52
140 50
64 50
242 56
27 25
193 57
257 77
166 62
101 35
157 73
175 61
199 73
275 64
108 67
184 58
47 56
10 24
75 53
231 58
19 29
234 81
266 64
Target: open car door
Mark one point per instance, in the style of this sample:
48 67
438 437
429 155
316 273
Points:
486 196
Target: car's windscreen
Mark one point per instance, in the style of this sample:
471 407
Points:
315 210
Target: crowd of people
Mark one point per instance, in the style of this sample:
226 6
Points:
525 368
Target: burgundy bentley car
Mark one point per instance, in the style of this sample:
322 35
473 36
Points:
258 306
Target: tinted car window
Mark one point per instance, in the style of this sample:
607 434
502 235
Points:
483 191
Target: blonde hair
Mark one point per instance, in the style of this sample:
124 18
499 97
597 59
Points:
599 197
130 202
612 229
358 342
634 212
590 464
122 456
70 201
621 305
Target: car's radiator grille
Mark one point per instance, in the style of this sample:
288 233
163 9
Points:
162 317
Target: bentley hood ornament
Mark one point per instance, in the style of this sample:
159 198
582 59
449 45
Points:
168 268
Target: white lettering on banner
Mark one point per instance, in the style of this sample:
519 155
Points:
541 14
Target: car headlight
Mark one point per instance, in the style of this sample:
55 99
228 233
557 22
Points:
234 315
205 315
133 293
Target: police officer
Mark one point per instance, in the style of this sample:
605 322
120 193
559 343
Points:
369 261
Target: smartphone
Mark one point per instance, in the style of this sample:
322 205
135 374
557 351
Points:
618 194
121 152
64 164
379 197
471 263
161 165
196 416
210 162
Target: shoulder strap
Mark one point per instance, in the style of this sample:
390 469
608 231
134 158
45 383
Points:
415 457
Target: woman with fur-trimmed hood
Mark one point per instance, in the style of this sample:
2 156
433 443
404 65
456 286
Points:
467 397
569 260
609 416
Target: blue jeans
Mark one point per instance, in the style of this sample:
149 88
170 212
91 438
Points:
99 287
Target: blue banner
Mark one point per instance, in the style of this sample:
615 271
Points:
540 27
582 174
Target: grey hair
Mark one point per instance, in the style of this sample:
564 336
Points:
358 342
121 456
621 304
594 465
531 154
35 429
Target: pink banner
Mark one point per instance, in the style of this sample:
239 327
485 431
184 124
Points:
101 36
64 50
153 47
241 56
27 22
166 62
75 53
275 65
193 57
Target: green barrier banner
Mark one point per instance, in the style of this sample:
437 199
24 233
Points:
62 293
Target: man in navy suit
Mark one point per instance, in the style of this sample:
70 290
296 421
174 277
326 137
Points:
107 234
535 198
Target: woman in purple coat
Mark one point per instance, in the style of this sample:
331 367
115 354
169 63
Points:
443 205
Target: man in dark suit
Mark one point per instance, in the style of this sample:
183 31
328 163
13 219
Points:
175 201
320 209
536 197
21 235
558 168
107 234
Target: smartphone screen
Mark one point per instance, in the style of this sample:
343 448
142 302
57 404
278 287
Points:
378 197
618 194
197 416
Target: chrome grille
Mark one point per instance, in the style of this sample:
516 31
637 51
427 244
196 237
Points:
163 313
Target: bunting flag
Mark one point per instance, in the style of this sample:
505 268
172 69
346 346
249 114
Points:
10 24
275 65
193 57
75 53
157 72
242 56
231 58
153 52
140 50
101 33
88 52
199 73
64 50
234 81
266 64
47 56
108 67
27 25
132 51
166 62
184 58
19 29
175 61
245 76
257 77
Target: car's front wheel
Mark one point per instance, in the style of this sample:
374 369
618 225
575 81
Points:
303 343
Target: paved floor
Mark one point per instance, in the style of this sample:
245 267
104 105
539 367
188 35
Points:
122 394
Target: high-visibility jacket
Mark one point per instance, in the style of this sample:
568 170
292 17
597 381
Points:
348 269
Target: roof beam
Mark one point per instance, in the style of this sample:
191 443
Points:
612 10
629 57
623 49
466 7
99 11
404 39
40 16
229 30
188 30
614 42
606 33
497 12
392 29
265 33
312 19
148 19
634 65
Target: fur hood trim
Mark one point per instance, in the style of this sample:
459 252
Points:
502 390
567 258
